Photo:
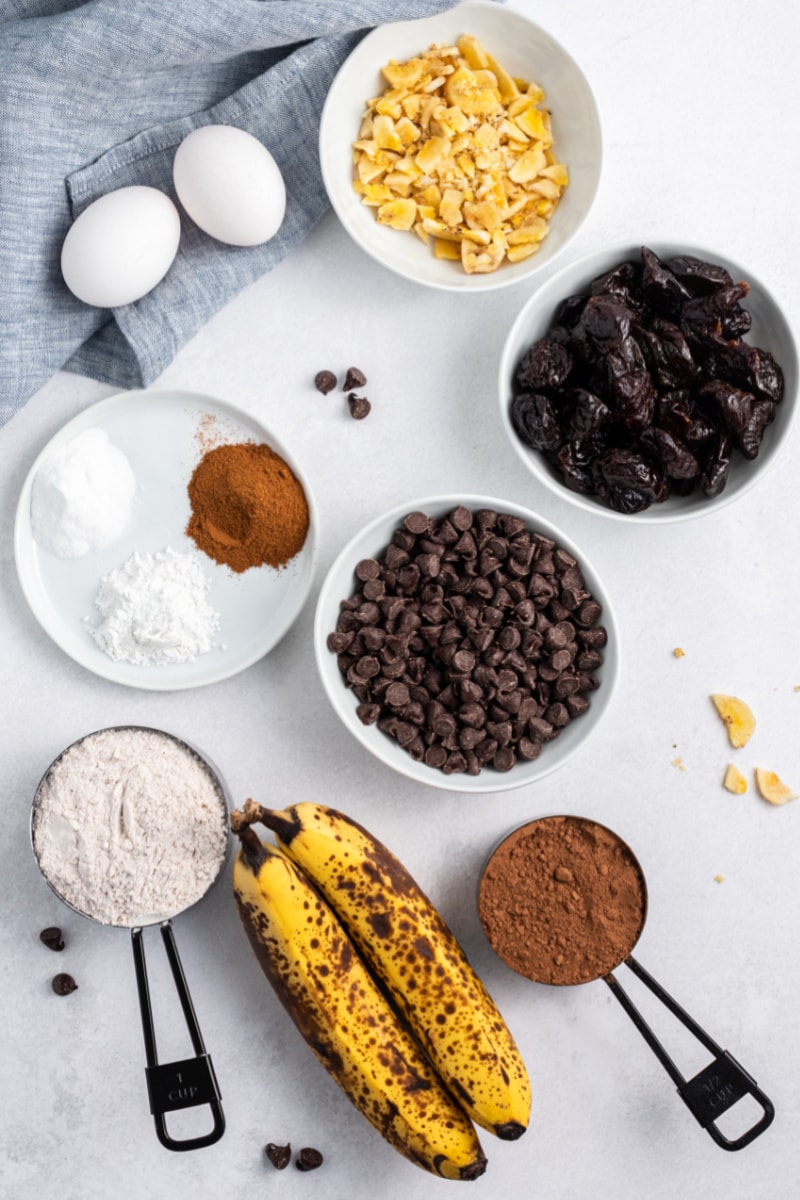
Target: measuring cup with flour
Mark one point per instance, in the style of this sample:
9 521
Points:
130 826
563 900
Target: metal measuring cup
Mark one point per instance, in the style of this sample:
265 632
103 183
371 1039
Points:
712 1091
190 1082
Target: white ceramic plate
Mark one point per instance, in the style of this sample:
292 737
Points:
525 51
770 331
340 583
162 434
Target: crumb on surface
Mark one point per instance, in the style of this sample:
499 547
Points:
678 652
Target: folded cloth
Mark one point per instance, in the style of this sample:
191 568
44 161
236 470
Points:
97 95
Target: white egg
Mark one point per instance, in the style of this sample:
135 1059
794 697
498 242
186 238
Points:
121 246
230 185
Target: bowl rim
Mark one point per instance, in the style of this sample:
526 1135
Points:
506 276
592 264
343 702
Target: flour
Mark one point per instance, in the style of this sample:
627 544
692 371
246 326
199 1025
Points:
82 495
130 826
155 610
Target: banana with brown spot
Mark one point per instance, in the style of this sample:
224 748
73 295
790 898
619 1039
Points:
416 956
351 1027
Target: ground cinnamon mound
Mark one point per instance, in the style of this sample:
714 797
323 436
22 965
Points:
248 507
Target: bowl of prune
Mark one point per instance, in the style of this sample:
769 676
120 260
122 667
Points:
653 383
466 643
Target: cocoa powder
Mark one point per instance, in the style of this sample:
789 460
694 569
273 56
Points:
562 900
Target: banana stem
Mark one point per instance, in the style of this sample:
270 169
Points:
280 823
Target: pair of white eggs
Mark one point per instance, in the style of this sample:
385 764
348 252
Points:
124 243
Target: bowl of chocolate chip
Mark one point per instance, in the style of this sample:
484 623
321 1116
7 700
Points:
650 383
467 643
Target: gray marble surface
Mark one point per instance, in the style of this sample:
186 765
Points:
697 104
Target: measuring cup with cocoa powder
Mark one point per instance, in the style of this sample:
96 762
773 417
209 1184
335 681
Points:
563 900
130 827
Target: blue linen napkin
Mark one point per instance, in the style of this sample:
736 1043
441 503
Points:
97 95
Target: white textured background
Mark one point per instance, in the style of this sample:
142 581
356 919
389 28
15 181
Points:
698 104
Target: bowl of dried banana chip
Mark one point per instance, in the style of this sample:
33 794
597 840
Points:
461 151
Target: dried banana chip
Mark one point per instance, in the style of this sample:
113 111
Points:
773 789
734 780
738 718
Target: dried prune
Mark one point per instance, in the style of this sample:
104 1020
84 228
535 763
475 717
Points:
622 282
667 353
674 413
604 322
733 405
701 318
574 463
629 386
623 471
569 311
678 460
715 473
643 386
663 291
546 365
535 420
697 276
748 367
588 414
762 412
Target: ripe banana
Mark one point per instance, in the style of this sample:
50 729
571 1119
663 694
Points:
351 1027
413 952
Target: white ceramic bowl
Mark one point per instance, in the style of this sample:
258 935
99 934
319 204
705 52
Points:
525 51
770 331
340 583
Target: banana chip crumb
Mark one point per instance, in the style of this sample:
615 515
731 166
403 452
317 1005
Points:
772 789
460 152
737 717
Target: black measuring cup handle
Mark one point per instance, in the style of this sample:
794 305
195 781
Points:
176 1085
718 1086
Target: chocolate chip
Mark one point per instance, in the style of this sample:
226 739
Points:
64 985
325 381
308 1159
359 406
368 568
52 938
354 379
279 1156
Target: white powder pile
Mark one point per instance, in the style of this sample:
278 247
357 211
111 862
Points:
82 495
155 610
130 826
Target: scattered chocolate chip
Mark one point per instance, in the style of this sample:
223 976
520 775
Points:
279 1156
354 379
359 406
52 938
325 381
308 1159
64 985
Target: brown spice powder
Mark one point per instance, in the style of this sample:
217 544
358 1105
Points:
562 900
248 507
